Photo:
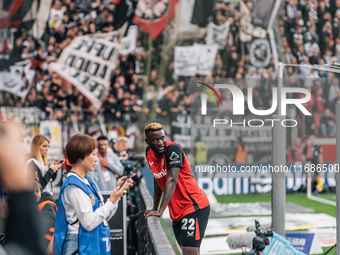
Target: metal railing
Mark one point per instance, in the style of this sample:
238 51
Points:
157 241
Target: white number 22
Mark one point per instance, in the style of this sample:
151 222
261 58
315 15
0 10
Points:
191 224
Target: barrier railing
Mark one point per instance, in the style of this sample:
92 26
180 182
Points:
159 242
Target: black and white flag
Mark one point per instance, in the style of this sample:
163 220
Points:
88 63
217 34
18 79
186 60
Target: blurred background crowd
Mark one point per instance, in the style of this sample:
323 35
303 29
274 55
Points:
310 35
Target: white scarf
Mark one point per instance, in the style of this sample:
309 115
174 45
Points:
49 186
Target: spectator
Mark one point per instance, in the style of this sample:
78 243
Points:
327 124
120 147
313 152
240 152
48 210
319 101
297 150
36 166
335 101
108 168
291 9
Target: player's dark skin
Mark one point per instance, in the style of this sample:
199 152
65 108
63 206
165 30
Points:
157 141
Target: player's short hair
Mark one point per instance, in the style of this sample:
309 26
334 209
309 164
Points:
79 146
154 126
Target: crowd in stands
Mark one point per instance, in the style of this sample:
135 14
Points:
57 97
310 34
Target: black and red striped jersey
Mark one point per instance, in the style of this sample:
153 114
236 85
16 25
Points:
187 197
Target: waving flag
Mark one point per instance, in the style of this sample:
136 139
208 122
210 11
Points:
161 13
28 15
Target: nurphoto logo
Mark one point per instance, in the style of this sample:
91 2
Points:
239 102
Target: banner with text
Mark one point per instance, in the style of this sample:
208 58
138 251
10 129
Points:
88 63
186 60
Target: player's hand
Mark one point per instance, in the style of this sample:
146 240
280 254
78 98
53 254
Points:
149 213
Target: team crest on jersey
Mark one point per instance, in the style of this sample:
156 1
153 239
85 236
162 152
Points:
173 156
92 199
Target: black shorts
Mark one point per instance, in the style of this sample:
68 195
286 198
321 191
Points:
189 230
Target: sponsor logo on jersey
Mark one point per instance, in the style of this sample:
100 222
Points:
160 174
173 156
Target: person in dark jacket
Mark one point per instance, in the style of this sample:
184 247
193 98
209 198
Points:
48 210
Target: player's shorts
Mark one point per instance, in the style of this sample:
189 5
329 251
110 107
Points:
189 230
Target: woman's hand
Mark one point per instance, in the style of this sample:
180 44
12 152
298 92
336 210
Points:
118 191
122 179
56 165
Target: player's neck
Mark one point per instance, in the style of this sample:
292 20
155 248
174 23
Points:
158 155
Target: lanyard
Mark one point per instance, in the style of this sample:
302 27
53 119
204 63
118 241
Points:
100 157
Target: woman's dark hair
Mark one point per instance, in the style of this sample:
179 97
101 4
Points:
79 146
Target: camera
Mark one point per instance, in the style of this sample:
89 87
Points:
261 240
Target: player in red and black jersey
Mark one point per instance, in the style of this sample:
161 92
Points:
188 205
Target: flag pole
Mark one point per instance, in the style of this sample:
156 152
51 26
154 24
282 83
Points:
162 68
148 71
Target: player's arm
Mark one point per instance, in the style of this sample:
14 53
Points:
157 195
169 188
156 198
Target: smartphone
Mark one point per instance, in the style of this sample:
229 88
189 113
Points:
128 177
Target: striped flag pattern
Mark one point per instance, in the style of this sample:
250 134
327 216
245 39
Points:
28 15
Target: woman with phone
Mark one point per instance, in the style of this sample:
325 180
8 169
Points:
37 166
81 225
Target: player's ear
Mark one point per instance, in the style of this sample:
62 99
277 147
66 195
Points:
146 141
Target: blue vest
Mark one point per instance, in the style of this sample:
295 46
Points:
96 241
